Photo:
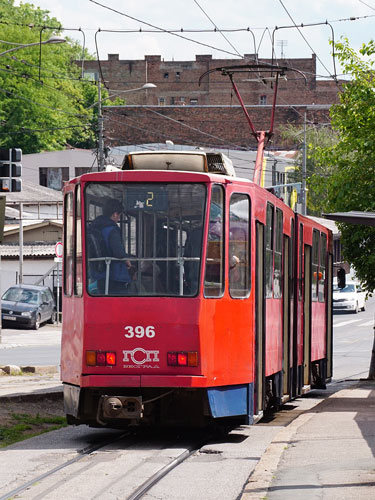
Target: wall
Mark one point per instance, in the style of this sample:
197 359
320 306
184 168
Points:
215 126
32 269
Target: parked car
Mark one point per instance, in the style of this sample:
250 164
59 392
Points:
350 298
28 306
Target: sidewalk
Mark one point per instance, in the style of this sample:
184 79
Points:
46 380
327 453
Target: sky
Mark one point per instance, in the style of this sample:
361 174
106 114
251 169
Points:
260 17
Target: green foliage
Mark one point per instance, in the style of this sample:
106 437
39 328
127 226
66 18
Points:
351 161
43 100
316 137
25 426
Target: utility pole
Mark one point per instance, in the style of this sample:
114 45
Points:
304 168
20 278
100 130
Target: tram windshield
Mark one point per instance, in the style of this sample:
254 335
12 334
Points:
144 239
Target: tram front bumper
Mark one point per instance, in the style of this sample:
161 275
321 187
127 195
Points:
143 381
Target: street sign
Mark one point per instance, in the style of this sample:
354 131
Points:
59 249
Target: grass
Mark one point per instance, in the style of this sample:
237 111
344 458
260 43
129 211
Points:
23 426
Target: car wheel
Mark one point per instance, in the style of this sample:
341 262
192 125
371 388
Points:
37 322
53 318
364 307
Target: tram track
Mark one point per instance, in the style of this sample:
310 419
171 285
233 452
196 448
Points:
84 453
138 491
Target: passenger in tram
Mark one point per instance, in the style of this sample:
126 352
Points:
121 272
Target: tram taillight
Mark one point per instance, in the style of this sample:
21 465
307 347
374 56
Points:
99 358
182 358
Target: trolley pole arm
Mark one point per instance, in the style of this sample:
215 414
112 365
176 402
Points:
270 132
261 137
236 91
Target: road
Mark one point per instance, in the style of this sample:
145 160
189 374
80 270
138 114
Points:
30 347
353 336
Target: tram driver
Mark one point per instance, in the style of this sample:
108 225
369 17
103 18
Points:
121 271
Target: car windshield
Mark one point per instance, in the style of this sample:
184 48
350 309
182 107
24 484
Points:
346 289
21 295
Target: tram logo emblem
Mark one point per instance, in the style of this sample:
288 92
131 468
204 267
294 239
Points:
140 356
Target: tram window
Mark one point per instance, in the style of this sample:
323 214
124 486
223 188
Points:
269 250
277 293
68 244
239 246
214 276
153 235
78 245
315 266
322 267
291 260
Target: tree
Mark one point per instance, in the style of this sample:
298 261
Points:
316 136
351 160
43 100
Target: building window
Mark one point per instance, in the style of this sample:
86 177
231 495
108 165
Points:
173 101
263 100
53 177
93 76
178 75
193 102
166 76
161 101
81 170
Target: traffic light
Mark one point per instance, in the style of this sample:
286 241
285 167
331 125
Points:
10 169
341 277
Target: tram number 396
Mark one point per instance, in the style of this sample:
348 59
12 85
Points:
139 332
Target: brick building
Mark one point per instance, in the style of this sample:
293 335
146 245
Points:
187 108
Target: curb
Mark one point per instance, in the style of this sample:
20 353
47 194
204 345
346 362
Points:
36 370
38 396
260 480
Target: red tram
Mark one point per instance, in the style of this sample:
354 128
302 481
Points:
228 305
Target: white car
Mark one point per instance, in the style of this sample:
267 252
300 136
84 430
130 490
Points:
351 298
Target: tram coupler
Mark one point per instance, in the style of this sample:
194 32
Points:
127 407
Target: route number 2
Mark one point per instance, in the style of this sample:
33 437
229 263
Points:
139 332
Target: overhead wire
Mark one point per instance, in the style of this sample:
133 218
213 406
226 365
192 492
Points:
162 30
302 35
216 28
367 5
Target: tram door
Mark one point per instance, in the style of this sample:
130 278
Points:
260 321
307 316
329 317
286 316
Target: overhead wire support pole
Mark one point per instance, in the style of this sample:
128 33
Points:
304 161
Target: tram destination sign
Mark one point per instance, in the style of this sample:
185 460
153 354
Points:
147 198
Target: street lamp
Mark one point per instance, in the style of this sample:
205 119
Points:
100 118
53 39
